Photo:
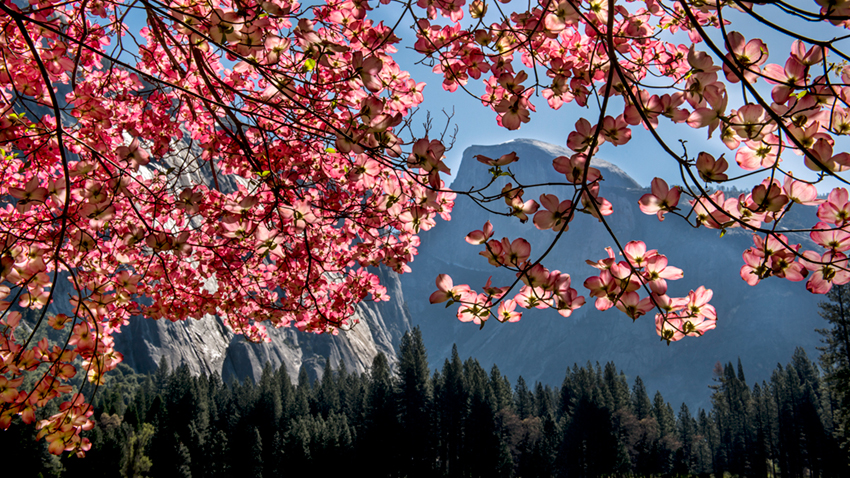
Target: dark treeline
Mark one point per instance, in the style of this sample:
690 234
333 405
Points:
460 421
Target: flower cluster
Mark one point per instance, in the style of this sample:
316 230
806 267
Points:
249 160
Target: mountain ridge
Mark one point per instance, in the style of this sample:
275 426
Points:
760 324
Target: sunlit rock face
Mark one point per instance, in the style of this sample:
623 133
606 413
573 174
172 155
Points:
208 346
762 325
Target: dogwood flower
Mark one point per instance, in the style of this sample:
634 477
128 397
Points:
661 200
446 290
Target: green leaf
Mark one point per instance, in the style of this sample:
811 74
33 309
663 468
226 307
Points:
309 64
262 174
330 150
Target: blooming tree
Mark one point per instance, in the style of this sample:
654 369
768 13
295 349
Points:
149 147
626 64
294 122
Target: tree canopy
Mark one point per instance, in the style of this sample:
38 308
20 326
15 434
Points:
253 159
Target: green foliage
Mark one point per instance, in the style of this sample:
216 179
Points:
400 420
134 462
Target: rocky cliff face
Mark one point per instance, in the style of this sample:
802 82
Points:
207 346
762 325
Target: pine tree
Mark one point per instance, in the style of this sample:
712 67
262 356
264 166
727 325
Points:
591 446
327 392
480 454
617 386
835 353
502 393
267 413
352 397
543 402
187 415
452 402
160 377
760 451
666 445
217 464
415 402
646 435
641 406
381 434
287 399
254 468
710 439
303 394
523 399
686 426
567 396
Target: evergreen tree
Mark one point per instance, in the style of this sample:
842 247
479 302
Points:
352 396
523 399
460 422
761 449
452 403
254 466
297 458
710 434
665 446
160 376
303 393
590 445
543 401
327 392
481 448
641 406
502 393
835 353
217 463
686 458
617 386
267 414
414 404
646 433
565 408
381 433
187 415
287 398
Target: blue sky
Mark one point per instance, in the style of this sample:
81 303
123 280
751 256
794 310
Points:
642 158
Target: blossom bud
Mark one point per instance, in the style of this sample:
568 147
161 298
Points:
482 37
477 9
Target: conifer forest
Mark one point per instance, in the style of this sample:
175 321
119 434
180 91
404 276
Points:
459 421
